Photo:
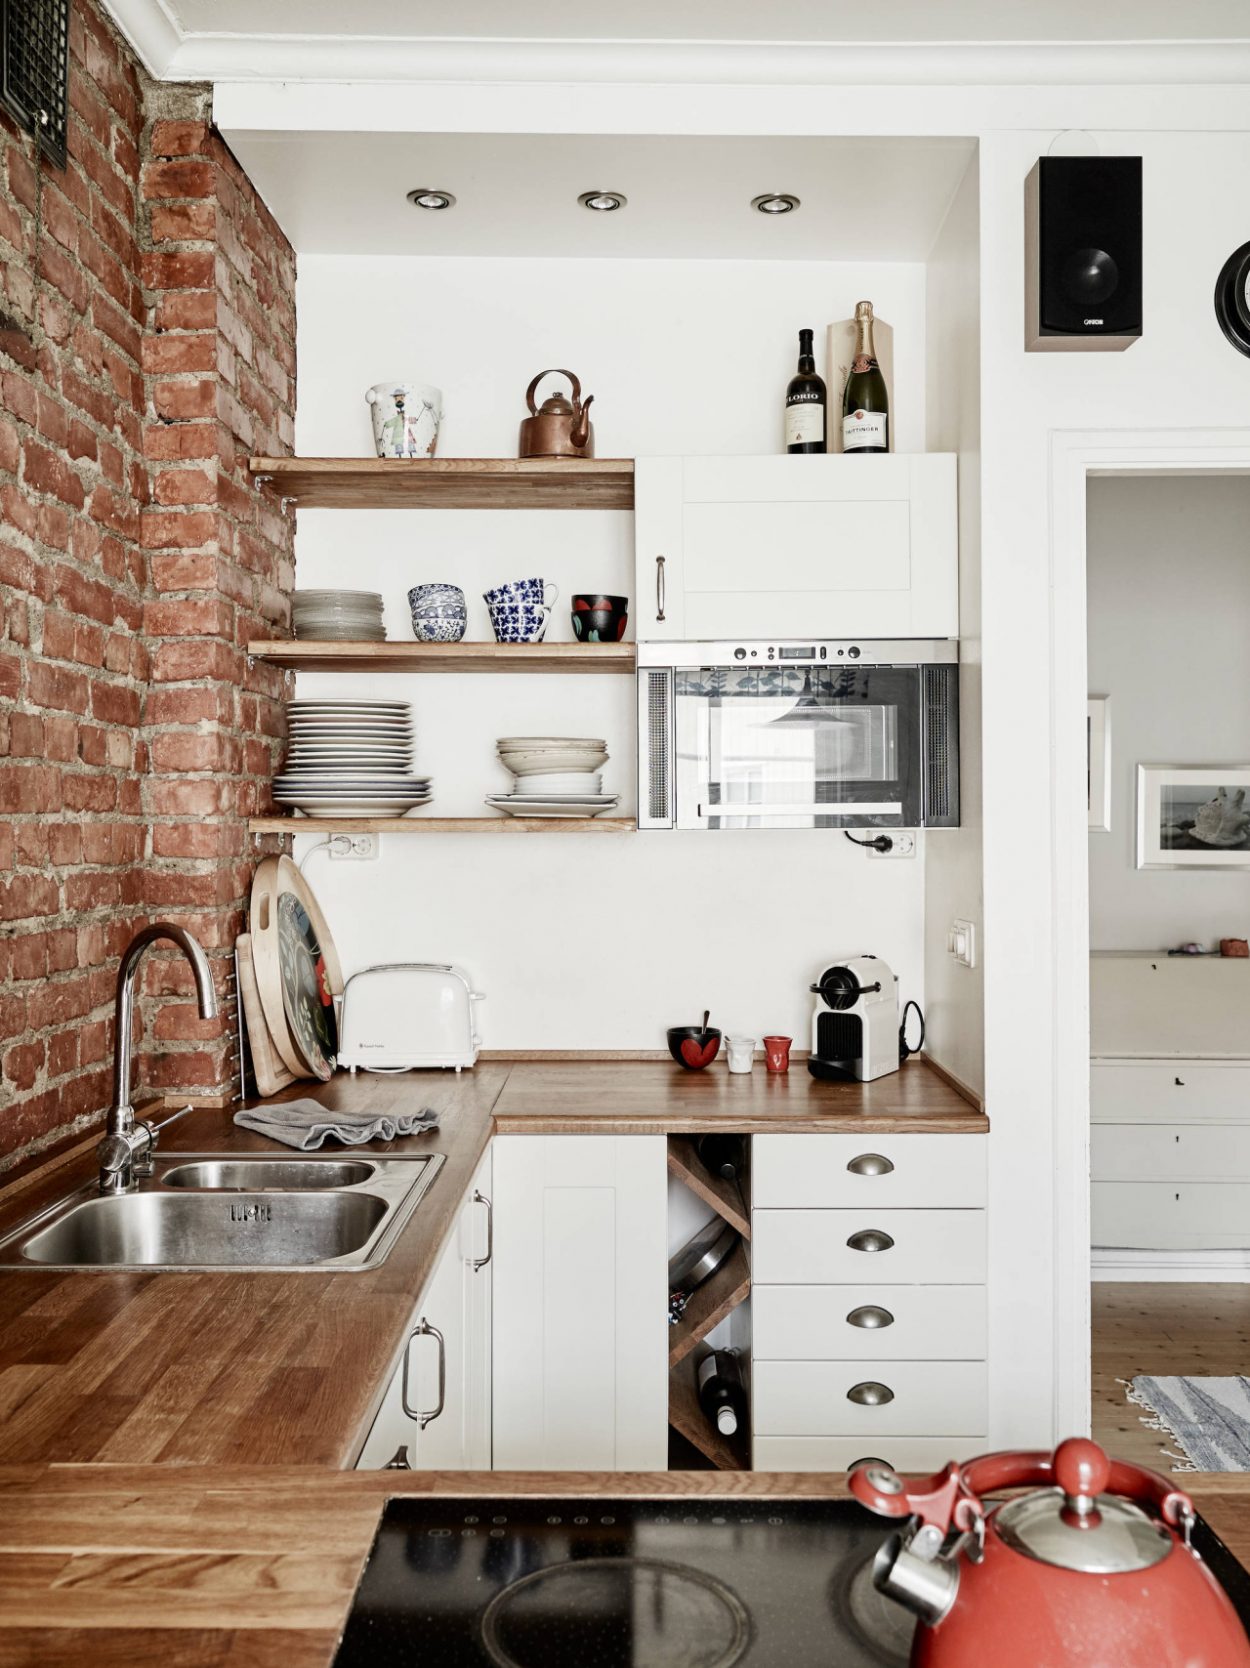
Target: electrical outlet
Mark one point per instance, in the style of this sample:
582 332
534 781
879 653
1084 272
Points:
356 848
904 845
961 943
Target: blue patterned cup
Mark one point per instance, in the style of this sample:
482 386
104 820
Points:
519 622
439 613
523 590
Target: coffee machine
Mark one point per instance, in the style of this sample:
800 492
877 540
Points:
855 1021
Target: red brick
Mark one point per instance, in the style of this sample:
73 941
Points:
170 138
183 222
177 401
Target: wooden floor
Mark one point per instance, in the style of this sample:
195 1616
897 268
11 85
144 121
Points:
1160 1329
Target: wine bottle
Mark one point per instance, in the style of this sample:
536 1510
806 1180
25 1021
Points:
805 403
721 1395
865 402
723 1155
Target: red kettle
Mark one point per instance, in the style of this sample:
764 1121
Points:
1093 1569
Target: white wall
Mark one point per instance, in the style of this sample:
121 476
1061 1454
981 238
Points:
1169 627
582 941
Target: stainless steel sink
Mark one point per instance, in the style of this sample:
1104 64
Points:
205 1211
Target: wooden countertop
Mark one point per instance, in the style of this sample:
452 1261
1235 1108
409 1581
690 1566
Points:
218 1567
285 1369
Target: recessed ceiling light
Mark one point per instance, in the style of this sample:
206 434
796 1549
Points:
424 198
603 202
775 202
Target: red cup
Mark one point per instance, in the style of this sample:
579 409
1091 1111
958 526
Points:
777 1053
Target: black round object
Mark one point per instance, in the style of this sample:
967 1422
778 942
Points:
1232 298
705 1045
838 987
1089 276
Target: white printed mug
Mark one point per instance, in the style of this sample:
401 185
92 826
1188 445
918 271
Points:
406 416
741 1053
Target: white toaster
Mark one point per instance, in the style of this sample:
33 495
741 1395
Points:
408 1014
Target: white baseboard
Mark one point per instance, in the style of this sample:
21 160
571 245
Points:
1215 1265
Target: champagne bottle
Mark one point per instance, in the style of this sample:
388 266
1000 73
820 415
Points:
721 1394
805 403
865 402
724 1155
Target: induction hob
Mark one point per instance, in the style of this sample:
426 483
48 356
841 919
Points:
626 1583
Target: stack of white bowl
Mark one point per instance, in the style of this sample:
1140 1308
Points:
556 776
350 759
338 616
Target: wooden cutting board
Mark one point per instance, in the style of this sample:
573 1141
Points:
277 879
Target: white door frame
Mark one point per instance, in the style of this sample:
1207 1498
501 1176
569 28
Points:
1074 457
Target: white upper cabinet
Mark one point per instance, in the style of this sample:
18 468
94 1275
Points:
774 547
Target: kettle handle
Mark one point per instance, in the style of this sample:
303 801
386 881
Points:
529 392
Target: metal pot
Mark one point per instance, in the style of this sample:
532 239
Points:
560 428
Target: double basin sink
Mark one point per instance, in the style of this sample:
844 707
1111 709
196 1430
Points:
214 1211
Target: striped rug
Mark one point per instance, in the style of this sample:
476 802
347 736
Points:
1207 1418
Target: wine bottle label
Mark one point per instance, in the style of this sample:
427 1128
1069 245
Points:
804 424
864 428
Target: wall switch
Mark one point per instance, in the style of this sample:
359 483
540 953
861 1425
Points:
961 943
356 848
904 845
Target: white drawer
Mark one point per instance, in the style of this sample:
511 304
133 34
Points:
886 1172
1169 1091
1170 1152
818 1247
921 1455
1163 1216
872 1323
813 1398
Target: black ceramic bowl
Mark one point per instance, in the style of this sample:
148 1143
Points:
599 619
693 1047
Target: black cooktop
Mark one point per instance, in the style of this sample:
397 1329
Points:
707 1583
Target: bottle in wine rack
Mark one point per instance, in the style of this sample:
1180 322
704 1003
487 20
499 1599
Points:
865 402
805 403
724 1155
721 1395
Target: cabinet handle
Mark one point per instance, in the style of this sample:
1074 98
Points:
870 1239
1179 1082
870 1164
424 1329
661 588
869 1459
870 1394
479 1263
399 1460
870 1316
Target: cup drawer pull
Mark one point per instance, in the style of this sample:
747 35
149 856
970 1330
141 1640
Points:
870 1394
870 1239
871 1316
870 1164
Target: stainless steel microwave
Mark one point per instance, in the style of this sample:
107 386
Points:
798 734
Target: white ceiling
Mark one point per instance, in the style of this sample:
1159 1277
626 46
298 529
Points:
345 193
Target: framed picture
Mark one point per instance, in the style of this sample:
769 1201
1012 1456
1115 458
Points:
1098 761
1193 817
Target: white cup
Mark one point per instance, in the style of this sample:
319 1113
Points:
741 1053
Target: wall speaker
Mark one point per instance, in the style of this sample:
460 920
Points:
1083 254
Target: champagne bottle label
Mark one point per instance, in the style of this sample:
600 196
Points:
864 428
804 424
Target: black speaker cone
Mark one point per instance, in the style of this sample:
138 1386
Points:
1089 276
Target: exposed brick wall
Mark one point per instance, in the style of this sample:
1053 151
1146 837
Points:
146 345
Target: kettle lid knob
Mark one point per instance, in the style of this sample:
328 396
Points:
1082 1470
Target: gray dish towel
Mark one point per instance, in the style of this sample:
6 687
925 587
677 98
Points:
306 1125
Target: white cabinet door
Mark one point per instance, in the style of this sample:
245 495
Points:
783 546
580 1303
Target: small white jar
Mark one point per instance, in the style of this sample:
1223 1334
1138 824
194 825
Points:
741 1051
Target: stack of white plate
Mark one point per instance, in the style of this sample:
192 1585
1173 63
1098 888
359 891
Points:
338 616
350 759
556 776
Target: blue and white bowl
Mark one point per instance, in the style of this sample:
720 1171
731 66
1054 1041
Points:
439 613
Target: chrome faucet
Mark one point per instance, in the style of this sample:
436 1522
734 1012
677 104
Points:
127 1148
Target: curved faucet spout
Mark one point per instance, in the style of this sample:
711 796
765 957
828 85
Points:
127 975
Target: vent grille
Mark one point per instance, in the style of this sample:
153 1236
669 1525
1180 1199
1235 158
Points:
658 720
34 69
941 746
839 1036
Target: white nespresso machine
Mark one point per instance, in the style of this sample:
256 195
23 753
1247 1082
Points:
855 1021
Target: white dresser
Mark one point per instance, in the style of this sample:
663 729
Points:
1170 1104
868 1300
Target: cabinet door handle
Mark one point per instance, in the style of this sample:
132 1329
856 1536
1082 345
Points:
870 1394
871 1316
479 1263
661 588
870 1239
870 1164
422 1330
1179 1082
399 1460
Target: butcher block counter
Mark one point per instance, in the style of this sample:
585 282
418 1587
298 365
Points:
221 1567
280 1369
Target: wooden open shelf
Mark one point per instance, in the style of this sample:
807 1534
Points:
724 1196
441 825
718 1296
303 656
727 1453
451 483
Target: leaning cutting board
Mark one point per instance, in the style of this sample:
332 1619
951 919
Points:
298 975
268 1070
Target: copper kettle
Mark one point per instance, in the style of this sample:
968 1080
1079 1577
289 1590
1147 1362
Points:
560 428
